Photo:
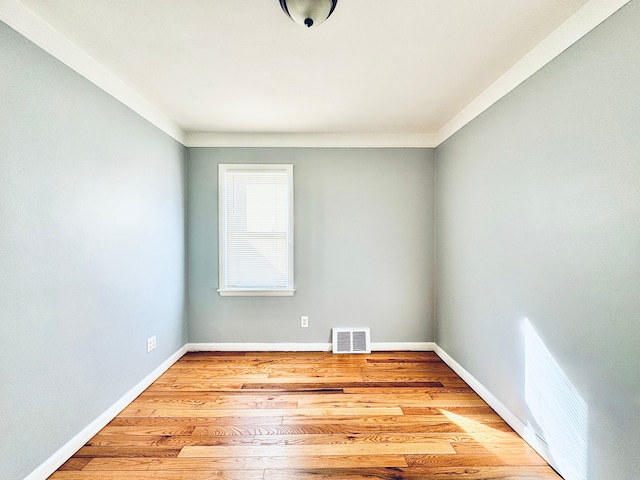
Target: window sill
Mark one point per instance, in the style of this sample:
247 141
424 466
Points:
255 293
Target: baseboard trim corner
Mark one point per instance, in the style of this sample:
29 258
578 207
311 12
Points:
507 415
72 446
65 452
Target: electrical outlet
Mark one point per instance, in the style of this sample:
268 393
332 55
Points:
151 343
304 321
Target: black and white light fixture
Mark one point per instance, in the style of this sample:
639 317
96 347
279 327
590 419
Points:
308 13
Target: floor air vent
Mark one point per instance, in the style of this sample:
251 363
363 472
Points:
351 340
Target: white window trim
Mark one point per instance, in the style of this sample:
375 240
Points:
253 292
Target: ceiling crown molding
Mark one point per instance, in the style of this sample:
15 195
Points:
318 140
35 29
592 14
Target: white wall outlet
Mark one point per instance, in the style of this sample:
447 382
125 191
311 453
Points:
151 343
304 321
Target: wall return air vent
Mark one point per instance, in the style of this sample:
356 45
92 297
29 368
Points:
351 340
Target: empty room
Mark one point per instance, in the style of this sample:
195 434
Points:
315 239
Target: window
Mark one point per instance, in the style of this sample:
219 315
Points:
255 208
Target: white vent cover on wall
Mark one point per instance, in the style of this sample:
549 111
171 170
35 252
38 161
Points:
351 340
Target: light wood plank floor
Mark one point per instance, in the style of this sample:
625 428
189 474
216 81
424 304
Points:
303 416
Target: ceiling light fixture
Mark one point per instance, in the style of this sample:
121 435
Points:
308 13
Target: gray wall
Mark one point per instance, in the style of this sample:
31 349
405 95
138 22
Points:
91 252
538 210
363 247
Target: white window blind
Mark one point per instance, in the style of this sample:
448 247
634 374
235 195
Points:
256 229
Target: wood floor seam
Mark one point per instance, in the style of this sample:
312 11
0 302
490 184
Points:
307 416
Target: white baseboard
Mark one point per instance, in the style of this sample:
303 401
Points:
72 446
403 346
259 347
62 455
304 347
507 415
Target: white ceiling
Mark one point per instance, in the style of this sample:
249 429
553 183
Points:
402 67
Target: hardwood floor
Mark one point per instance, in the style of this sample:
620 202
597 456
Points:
303 416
